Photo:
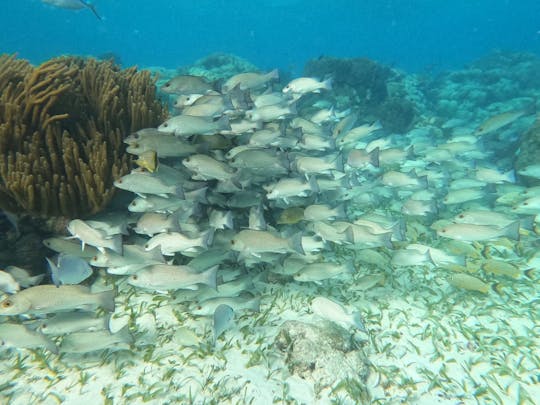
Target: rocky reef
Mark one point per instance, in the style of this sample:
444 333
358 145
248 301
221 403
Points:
367 84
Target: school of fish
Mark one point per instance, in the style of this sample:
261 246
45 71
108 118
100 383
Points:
254 178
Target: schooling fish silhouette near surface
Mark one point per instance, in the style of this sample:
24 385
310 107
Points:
73 5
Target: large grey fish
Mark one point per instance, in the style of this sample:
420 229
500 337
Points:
68 322
335 312
164 277
187 84
249 80
19 336
86 342
164 144
73 5
187 125
94 237
252 242
242 303
44 299
145 183
172 242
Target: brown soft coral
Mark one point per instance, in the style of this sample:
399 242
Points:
61 130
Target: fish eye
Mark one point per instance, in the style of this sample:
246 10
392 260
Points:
525 203
461 216
135 277
165 124
94 258
7 304
232 242
146 246
44 326
167 84
135 145
443 230
119 181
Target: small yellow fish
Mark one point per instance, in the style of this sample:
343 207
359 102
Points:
467 282
502 268
148 160
291 216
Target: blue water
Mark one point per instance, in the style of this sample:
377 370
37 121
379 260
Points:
413 35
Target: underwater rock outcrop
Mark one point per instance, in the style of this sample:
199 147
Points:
219 66
61 130
325 353
366 83
528 152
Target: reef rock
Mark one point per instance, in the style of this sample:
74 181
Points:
326 354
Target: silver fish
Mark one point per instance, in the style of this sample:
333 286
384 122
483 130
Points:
68 322
146 183
86 342
94 237
249 80
305 85
188 125
335 312
187 84
172 242
44 299
241 303
73 5
7 283
19 336
253 242
164 277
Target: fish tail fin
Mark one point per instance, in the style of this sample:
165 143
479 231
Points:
313 184
106 300
530 274
117 244
338 162
349 267
124 335
255 304
51 346
223 123
511 231
229 220
273 75
374 157
295 243
358 322
511 176
210 277
497 287
327 84
340 211
207 238
387 240
92 8
53 269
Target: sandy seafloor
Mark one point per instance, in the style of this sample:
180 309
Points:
427 342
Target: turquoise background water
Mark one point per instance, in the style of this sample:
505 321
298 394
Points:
414 35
